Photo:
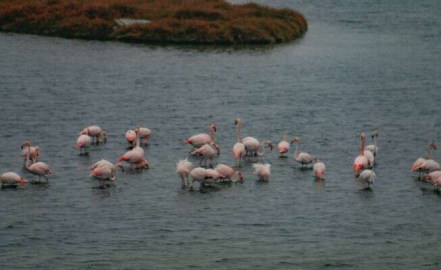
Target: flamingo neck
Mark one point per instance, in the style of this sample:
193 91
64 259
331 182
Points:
261 151
28 154
284 136
362 146
297 152
239 129
138 140
212 133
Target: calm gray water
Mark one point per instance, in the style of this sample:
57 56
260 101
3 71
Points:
363 65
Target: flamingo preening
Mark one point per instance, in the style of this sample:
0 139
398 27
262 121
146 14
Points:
11 179
263 171
301 157
207 152
368 177
361 162
228 173
183 169
96 133
373 147
33 151
200 139
135 157
283 146
83 142
239 147
319 168
105 171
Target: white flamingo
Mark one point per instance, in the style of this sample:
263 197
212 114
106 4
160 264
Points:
239 147
207 152
254 147
418 164
368 177
11 179
200 139
301 157
319 169
263 171
183 169
229 173
96 133
373 147
83 142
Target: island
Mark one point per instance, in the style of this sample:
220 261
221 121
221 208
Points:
153 21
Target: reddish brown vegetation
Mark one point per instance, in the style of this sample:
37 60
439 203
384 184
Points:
172 21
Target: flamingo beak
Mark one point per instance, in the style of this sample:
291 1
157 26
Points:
215 129
22 181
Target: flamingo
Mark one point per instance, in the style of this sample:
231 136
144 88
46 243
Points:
283 145
39 168
239 147
212 174
83 142
370 157
198 174
136 155
252 145
263 171
131 137
373 147
319 168
96 133
207 151
301 157
100 163
228 173
145 134
430 166
361 162
200 139
183 168
431 176
367 176
34 152
11 179
105 172
418 164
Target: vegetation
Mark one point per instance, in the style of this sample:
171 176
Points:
172 21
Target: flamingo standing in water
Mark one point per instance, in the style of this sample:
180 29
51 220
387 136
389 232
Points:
361 162
207 152
34 152
431 176
368 177
96 133
199 175
253 146
200 139
373 147
239 147
319 169
228 173
183 169
145 134
301 157
83 142
263 171
418 164
283 146
370 157
131 138
135 157
105 171
11 179
39 168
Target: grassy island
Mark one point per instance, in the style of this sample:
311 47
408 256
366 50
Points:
169 21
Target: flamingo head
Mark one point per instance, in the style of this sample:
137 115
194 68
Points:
295 140
432 145
375 134
315 160
119 165
95 173
237 121
146 164
427 178
213 127
362 135
240 176
25 144
216 146
21 181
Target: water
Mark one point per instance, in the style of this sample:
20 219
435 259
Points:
363 65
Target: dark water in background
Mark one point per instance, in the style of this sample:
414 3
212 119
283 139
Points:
363 65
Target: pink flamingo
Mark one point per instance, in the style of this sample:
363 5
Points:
253 146
283 146
319 168
263 171
183 169
373 147
34 152
136 155
229 173
433 175
96 133
200 139
361 162
418 164
83 142
239 147
101 163
131 137
39 168
199 175
301 157
145 134
11 179
207 151
105 172
368 177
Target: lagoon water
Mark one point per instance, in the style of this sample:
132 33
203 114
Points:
363 65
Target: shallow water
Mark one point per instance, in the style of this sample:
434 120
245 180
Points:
363 65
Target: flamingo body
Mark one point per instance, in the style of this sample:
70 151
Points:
11 179
263 171
319 169
368 177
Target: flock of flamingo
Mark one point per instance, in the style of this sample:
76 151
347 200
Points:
205 146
